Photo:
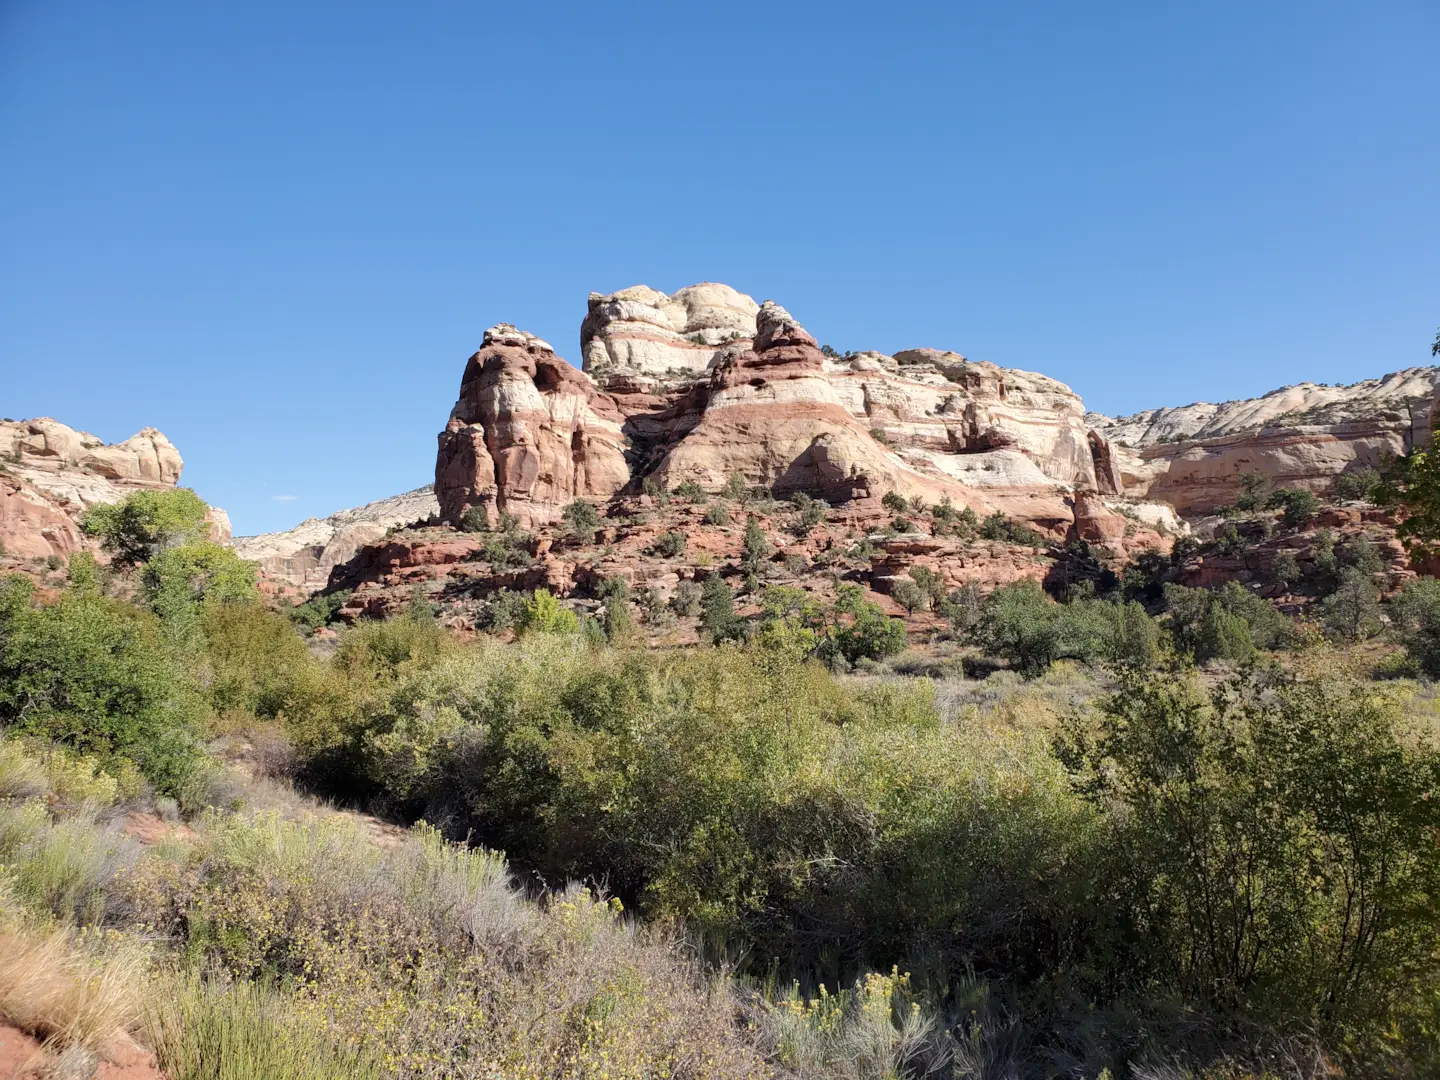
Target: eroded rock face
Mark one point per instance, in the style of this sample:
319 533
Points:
1298 436
528 435
304 556
54 473
642 334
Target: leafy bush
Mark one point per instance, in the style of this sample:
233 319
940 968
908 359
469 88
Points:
1357 485
1252 487
895 503
686 600
320 610
718 619
178 580
690 491
543 614
581 520
716 514
910 595
475 519
134 529
1229 623
998 527
1415 614
1023 625
754 548
96 675
1352 611
669 545
1299 505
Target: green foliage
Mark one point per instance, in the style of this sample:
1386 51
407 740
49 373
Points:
96 675
178 580
812 512
475 519
1352 611
1225 624
1298 505
543 614
1412 483
502 610
1023 625
718 619
871 635
716 514
736 487
895 502
998 527
508 548
669 545
1415 614
910 595
964 609
791 622
686 601
320 610
582 521
1356 485
690 491
134 529
754 548
1287 568
1252 487
1280 841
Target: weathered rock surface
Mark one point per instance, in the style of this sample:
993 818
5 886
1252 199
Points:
50 474
642 334
528 435
1298 436
304 556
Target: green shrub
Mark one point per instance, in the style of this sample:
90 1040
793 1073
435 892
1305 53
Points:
1415 614
717 514
1357 485
669 545
134 529
581 520
895 503
1252 487
686 601
1299 505
320 610
178 580
718 619
811 511
690 491
910 596
543 614
97 676
754 548
475 519
1352 611
1229 623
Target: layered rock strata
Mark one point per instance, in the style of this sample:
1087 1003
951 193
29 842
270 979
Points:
1298 436
50 474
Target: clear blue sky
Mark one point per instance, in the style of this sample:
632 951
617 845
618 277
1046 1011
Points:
276 230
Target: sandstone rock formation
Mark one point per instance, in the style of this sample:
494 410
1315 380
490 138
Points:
1298 436
304 556
50 474
528 434
640 333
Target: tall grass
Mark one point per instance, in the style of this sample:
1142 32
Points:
244 1031
66 995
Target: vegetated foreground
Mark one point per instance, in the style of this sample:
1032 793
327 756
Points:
1202 843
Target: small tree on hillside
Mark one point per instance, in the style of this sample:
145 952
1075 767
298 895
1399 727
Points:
145 522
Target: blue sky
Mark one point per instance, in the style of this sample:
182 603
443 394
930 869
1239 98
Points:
276 230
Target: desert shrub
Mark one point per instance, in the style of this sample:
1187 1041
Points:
1021 624
320 610
581 519
1356 485
754 548
543 614
869 635
1287 568
669 545
686 601
96 675
475 519
998 527
1298 505
718 619
963 609
1279 835
1229 623
910 596
716 514
1352 611
258 664
1252 489
931 583
1415 615
145 522
690 491
895 502
811 511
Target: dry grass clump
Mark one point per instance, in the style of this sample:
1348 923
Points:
55 988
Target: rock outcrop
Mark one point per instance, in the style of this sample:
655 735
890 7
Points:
642 334
303 557
1298 436
50 474
528 435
